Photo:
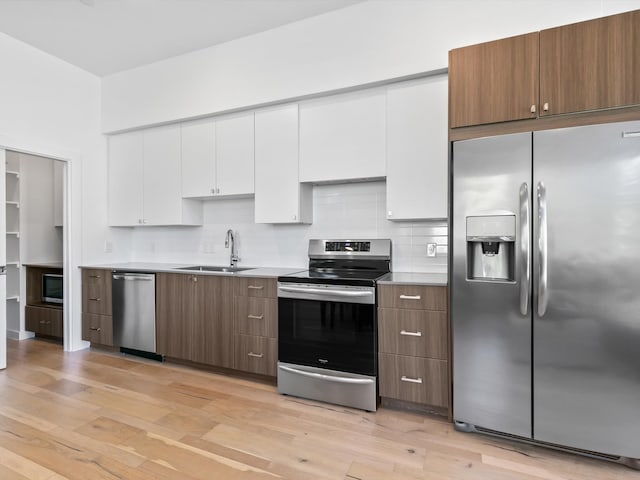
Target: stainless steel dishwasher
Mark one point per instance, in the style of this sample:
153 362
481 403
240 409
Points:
134 311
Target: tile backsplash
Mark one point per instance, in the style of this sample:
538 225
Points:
355 210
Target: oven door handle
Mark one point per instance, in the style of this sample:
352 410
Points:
321 291
331 378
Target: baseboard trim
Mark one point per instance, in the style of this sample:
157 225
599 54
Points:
19 334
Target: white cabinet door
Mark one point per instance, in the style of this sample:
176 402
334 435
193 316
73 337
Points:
162 198
279 196
125 179
417 149
198 158
234 155
343 137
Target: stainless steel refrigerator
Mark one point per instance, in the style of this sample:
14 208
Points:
546 287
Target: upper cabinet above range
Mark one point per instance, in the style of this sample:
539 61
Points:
583 67
342 137
218 157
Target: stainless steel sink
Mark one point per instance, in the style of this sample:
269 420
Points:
207 268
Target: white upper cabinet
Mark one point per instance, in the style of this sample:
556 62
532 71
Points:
417 149
144 180
217 157
125 179
342 137
198 158
234 155
280 198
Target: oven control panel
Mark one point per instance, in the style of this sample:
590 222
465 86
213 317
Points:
347 246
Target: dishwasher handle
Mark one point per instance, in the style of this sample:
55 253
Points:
145 277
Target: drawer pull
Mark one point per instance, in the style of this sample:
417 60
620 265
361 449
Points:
255 287
410 380
410 334
255 355
95 299
410 297
255 317
95 329
95 276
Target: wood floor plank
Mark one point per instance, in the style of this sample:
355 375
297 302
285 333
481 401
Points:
101 415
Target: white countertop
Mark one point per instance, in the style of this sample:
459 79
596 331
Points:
175 268
408 278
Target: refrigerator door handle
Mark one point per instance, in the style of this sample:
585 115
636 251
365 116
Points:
525 257
543 294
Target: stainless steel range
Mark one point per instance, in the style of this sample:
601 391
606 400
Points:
327 323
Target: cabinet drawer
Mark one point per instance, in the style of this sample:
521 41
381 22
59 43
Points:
414 379
256 287
96 291
97 328
420 333
256 354
417 297
43 321
256 316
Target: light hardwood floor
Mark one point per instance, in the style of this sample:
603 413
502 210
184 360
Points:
94 415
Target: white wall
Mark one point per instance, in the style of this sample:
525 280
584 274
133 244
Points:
51 108
352 210
41 241
367 42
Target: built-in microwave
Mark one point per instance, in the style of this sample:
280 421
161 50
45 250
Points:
52 291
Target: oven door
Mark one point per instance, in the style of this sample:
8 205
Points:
328 326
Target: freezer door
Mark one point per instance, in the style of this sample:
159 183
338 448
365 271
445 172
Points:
587 320
491 335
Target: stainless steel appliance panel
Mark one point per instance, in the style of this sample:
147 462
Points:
134 310
587 320
491 334
341 388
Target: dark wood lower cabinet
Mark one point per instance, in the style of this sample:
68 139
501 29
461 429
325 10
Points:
256 354
97 328
414 379
44 320
212 337
194 318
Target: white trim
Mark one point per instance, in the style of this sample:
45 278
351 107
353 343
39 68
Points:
72 240
19 335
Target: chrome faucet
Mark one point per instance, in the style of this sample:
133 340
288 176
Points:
233 258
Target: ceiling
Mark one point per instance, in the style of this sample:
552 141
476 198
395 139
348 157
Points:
108 36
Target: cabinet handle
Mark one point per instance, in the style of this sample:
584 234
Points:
533 109
217 190
256 317
255 287
255 355
410 334
95 329
409 297
294 217
213 190
94 276
545 107
95 299
410 380
195 279
43 322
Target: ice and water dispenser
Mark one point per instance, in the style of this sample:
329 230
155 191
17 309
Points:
491 248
